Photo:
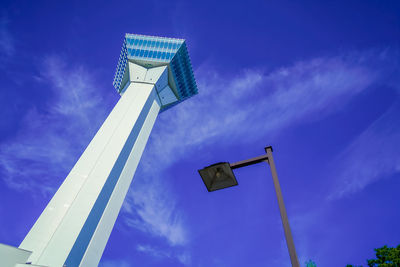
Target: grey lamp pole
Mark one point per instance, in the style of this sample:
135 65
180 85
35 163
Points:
220 175
282 209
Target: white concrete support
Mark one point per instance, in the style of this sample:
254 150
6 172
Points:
10 256
76 224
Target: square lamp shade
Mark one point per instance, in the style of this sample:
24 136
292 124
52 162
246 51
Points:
218 176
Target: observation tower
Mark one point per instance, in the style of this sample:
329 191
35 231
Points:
153 74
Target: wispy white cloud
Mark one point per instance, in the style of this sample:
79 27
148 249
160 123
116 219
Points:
262 104
373 155
7 43
154 252
49 141
151 208
252 103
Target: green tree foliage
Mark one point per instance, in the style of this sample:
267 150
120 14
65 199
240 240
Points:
310 263
386 257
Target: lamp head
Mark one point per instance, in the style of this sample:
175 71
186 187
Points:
218 176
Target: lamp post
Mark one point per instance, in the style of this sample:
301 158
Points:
220 175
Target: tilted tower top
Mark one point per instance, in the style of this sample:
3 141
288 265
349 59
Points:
150 52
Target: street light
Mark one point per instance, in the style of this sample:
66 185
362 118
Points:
220 175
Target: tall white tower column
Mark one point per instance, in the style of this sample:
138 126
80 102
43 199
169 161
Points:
153 74
77 222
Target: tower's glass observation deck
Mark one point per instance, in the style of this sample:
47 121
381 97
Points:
151 51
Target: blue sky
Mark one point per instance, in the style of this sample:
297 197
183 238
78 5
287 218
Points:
317 80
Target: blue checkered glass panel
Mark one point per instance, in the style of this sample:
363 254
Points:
162 51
